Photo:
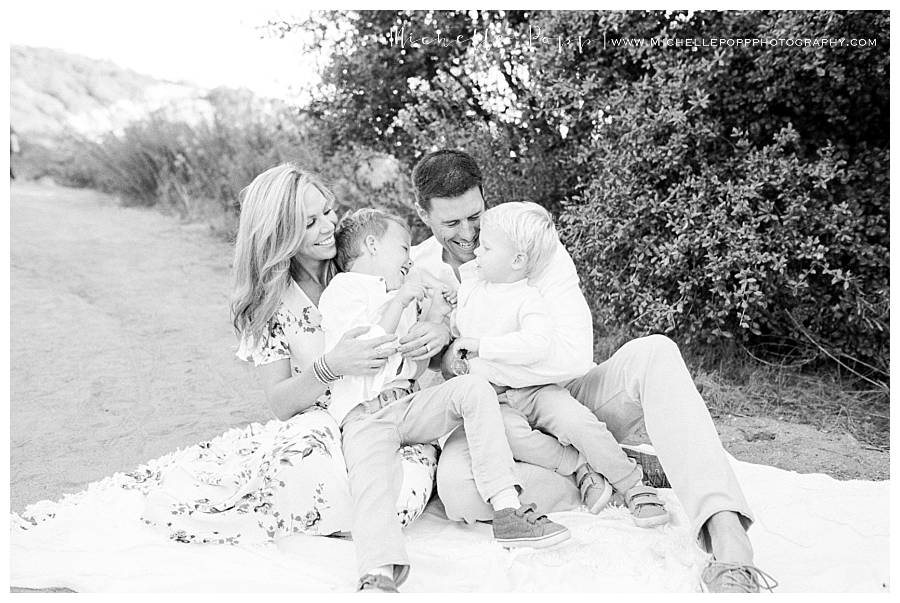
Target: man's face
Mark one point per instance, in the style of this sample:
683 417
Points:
455 223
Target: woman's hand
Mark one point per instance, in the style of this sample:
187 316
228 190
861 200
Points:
354 356
424 340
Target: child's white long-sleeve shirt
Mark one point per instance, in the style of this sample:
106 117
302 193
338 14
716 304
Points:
513 324
353 300
571 348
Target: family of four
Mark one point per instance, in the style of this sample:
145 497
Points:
492 300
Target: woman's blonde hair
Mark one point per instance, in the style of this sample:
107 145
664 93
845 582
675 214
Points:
271 229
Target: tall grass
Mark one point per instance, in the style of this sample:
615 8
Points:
197 164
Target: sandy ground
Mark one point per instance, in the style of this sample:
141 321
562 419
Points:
121 348
121 351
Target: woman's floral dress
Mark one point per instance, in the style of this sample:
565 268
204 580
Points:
260 482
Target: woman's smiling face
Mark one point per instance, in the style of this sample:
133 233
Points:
321 219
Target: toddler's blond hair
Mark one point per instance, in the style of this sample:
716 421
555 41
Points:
530 229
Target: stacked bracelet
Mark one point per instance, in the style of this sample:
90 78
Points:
323 372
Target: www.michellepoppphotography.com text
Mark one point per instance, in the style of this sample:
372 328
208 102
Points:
486 39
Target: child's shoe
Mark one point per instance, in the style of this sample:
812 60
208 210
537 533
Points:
646 508
595 489
376 583
525 527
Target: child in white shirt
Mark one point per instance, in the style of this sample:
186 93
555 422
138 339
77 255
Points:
504 328
384 410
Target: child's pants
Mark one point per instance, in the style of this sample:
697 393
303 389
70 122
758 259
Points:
371 444
553 410
644 391
535 447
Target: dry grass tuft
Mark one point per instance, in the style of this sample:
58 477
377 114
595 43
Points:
820 395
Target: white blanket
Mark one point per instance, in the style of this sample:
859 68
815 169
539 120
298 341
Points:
813 534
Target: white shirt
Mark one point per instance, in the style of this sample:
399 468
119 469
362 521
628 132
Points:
571 352
511 322
352 300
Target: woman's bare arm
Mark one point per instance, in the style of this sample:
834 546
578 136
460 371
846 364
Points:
289 394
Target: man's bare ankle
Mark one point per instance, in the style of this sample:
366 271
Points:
728 539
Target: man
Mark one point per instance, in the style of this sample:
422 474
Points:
644 387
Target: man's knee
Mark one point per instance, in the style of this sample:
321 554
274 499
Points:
658 344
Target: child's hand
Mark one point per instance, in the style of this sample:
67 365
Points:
435 307
449 296
432 283
410 292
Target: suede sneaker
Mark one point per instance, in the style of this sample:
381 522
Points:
654 475
525 527
376 583
595 489
721 577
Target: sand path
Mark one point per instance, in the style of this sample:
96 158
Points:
120 342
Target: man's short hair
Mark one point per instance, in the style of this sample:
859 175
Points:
354 227
530 229
444 173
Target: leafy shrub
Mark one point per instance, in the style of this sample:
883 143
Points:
702 210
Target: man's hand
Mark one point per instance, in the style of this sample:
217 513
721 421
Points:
452 362
469 344
424 340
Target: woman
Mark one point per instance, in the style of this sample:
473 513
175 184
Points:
283 261
288 476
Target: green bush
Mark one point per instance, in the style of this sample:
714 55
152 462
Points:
730 194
